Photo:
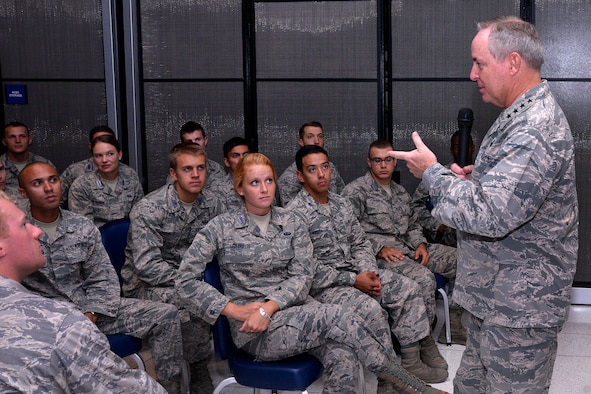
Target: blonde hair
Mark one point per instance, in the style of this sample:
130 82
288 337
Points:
250 160
3 224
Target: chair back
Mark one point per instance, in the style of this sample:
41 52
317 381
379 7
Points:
114 236
222 338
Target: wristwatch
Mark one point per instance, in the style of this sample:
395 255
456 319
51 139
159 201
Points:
264 314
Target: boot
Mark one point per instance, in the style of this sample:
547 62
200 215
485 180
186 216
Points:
458 332
430 354
390 385
411 361
200 379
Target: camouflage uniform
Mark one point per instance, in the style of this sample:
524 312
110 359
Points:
342 251
289 185
391 221
78 270
517 222
278 266
223 188
160 233
421 203
90 197
74 170
15 195
50 347
12 171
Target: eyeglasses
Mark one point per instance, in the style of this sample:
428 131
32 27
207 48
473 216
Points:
379 160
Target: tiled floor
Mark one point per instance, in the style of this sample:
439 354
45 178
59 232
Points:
572 371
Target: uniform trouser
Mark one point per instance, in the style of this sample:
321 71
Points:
196 333
400 305
339 339
419 274
501 359
158 322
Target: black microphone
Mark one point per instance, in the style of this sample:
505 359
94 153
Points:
465 120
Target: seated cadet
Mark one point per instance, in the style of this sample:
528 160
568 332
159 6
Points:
347 272
74 170
311 133
163 225
49 346
234 150
109 192
78 270
266 266
195 133
434 230
384 210
17 140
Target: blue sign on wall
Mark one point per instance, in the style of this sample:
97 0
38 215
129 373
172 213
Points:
16 93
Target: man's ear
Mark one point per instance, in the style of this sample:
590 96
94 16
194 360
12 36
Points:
300 176
23 192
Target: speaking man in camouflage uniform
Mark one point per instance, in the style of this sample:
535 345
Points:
384 210
516 216
79 271
49 346
311 133
163 225
347 272
17 140
266 266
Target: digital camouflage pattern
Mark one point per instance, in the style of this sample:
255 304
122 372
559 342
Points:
78 270
160 232
48 346
12 171
391 221
74 170
289 185
342 251
279 266
517 219
90 197
421 205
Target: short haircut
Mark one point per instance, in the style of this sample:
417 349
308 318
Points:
21 183
15 124
305 151
511 34
312 123
107 139
251 160
190 127
3 224
189 148
99 129
232 143
379 144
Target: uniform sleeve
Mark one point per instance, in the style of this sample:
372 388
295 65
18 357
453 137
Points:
337 179
79 199
84 363
146 243
197 296
294 290
508 191
361 248
419 204
101 284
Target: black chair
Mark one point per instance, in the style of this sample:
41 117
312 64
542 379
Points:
293 373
